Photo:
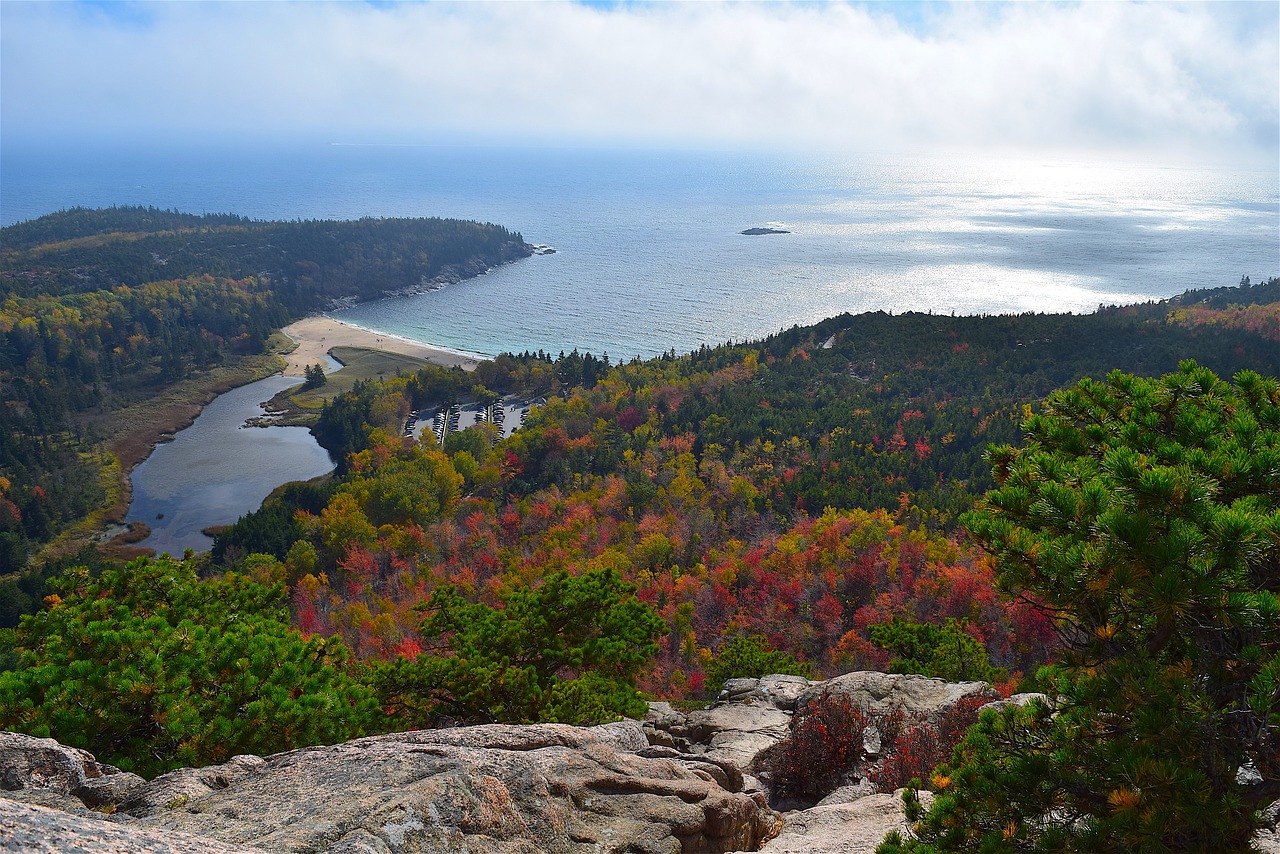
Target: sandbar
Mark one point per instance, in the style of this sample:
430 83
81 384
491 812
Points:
317 335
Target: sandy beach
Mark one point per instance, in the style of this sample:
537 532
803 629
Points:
317 335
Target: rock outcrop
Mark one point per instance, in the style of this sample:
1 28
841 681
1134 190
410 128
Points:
43 772
40 830
920 697
752 716
545 788
178 788
854 827
487 788
674 782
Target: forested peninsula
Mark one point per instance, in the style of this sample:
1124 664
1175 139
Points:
1083 505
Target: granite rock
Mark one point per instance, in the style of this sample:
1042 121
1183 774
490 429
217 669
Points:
35 829
542 788
856 827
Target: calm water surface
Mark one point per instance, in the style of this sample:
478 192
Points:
216 470
650 256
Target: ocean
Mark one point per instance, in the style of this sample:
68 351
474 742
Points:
648 251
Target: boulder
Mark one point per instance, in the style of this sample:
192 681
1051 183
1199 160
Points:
27 762
749 717
177 788
109 791
542 788
778 690
737 732
1015 700
664 726
921 697
44 772
1267 839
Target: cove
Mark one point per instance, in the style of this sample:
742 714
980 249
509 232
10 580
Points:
216 470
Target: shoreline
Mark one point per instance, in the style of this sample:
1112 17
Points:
136 431
314 337
317 335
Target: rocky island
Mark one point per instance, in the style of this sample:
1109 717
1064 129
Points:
759 230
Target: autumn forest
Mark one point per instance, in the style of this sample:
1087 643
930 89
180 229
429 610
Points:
793 504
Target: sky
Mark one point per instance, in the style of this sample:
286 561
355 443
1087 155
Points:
1198 81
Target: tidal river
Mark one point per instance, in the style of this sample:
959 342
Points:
216 470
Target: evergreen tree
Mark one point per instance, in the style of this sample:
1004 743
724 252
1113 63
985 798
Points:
751 656
568 650
314 376
943 652
1146 514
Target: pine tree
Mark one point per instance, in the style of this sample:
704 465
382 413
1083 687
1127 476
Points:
1146 514
751 656
150 668
568 651
315 376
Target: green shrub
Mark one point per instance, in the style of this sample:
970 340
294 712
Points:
150 668
568 651
750 656
944 652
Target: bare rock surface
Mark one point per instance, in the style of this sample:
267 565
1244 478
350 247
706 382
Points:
1018 700
40 830
738 733
780 691
177 788
856 827
1267 839
849 794
749 717
544 788
27 762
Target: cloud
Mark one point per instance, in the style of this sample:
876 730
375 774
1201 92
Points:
1199 78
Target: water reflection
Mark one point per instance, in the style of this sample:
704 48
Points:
217 470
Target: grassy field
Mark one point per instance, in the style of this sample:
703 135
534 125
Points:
358 363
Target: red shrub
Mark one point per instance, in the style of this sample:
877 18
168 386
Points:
921 746
826 746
